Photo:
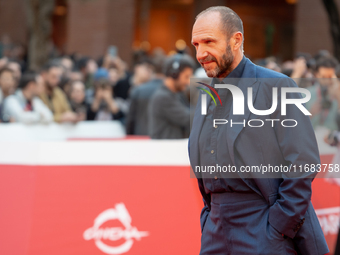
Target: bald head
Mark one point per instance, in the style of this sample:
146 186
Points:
229 21
218 39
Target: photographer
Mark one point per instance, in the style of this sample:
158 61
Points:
103 106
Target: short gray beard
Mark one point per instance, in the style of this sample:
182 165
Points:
222 69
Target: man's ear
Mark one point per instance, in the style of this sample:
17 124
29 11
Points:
236 40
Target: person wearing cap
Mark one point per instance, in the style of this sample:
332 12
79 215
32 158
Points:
103 106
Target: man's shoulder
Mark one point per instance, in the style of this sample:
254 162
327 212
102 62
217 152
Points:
162 94
10 100
12 103
152 83
59 92
273 78
262 72
267 76
150 88
145 89
11 97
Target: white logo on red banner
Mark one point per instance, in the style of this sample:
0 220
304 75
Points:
99 234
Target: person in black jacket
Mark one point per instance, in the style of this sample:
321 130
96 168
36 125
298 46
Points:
137 117
168 117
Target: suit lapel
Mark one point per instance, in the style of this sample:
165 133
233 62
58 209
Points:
197 124
196 128
248 79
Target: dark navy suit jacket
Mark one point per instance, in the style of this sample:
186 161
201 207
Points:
290 198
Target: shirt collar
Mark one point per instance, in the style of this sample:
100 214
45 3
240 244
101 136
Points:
236 73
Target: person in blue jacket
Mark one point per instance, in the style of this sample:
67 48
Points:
249 213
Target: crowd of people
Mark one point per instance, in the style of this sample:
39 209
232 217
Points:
319 74
70 88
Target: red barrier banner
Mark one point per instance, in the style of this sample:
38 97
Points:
98 210
140 207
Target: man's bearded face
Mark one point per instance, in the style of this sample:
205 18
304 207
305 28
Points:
218 67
